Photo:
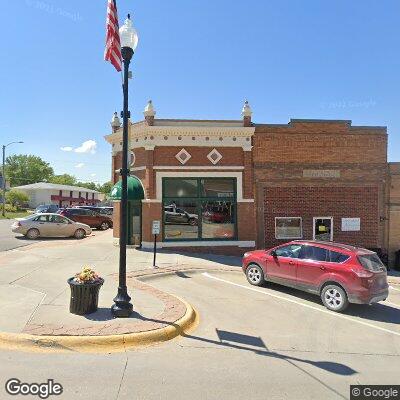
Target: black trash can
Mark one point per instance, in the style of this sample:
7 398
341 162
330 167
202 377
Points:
84 296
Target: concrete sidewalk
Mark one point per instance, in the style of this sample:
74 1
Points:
34 294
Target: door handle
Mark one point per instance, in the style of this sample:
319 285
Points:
322 267
291 262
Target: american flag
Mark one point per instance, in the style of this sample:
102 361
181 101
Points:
112 52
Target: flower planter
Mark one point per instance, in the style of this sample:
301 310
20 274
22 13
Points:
84 296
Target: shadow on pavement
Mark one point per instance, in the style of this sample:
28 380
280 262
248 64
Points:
182 275
104 314
237 340
379 312
220 259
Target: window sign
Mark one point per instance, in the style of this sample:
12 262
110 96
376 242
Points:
351 224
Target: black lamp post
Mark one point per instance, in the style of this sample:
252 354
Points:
4 177
122 307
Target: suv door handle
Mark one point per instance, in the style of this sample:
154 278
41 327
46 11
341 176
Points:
322 267
291 262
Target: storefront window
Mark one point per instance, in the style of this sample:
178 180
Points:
181 219
288 228
218 219
181 188
199 209
217 187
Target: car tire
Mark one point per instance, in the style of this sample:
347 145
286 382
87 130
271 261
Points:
255 275
32 234
104 226
79 234
334 298
192 222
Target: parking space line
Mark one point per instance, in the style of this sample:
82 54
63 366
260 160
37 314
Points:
330 313
397 290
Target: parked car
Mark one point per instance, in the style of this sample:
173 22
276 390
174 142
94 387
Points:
175 215
50 225
101 210
340 274
47 208
88 217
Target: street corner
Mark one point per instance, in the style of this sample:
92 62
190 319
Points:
157 317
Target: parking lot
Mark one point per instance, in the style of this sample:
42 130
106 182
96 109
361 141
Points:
8 239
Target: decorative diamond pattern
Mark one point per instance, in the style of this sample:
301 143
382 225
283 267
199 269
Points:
183 156
214 156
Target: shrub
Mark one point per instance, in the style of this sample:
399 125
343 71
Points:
16 198
10 208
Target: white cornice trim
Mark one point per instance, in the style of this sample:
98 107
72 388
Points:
142 135
246 201
151 201
138 168
219 243
196 168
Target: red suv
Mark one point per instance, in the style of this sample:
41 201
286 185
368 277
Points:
88 217
340 274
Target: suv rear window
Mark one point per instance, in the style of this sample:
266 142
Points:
335 256
371 262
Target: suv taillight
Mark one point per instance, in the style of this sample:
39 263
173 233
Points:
362 273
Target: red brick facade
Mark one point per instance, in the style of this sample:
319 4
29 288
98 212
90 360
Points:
307 169
336 202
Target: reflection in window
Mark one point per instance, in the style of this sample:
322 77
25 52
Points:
217 187
180 219
181 188
288 228
218 220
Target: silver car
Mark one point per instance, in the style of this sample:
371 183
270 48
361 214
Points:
50 225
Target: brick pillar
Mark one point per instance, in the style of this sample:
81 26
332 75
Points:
150 181
248 191
116 165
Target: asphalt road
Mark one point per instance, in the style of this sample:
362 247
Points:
251 343
8 239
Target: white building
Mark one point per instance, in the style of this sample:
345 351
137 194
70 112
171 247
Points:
62 195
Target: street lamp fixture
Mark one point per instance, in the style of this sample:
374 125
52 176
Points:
3 212
122 307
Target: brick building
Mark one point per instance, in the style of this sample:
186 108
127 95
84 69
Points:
226 186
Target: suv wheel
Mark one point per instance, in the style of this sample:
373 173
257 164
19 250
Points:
334 298
104 226
255 275
32 234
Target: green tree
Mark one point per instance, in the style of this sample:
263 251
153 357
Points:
87 185
23 169
16 198
64 179
105 188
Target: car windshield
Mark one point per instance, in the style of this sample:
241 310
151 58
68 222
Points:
371 262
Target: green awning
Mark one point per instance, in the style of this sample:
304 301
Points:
135 189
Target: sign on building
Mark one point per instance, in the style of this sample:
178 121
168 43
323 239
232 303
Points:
351 224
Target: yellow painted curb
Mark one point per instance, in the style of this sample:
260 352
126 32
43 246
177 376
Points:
99 344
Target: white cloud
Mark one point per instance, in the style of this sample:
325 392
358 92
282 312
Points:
66 148
93 175
80 165
87 147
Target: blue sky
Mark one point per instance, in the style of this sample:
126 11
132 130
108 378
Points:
289 58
